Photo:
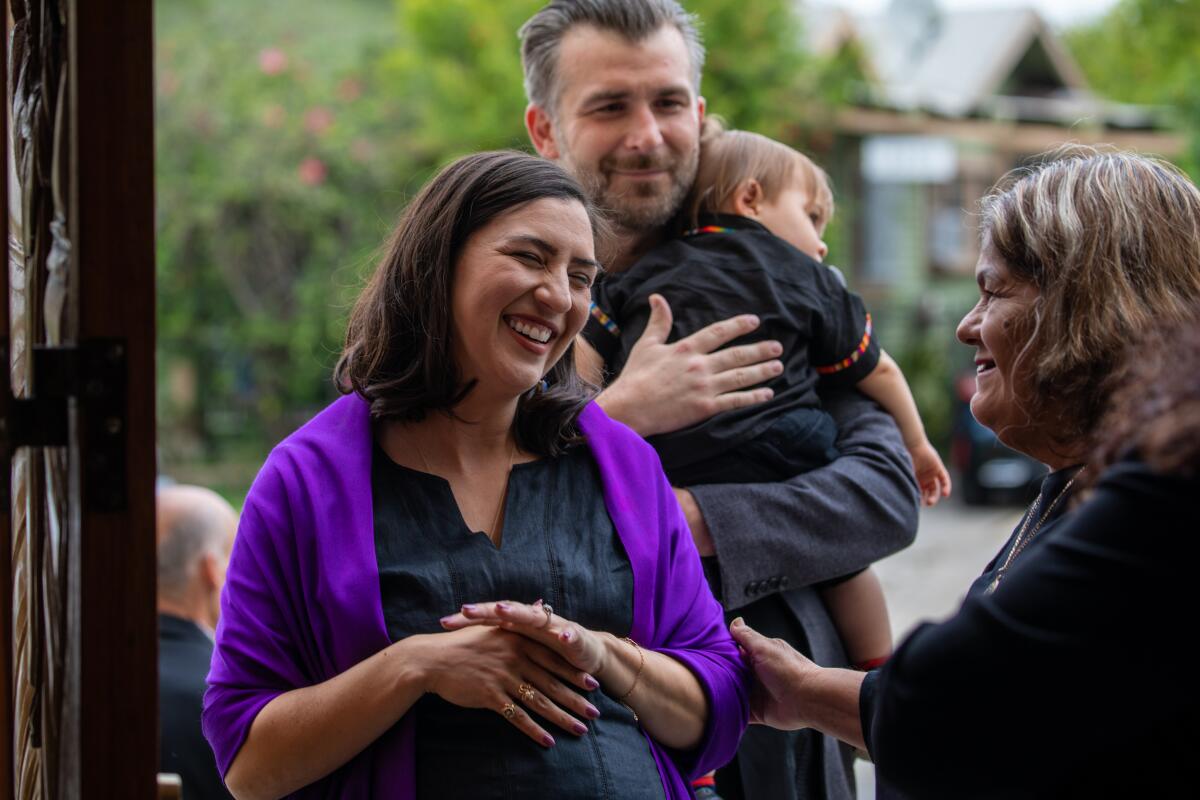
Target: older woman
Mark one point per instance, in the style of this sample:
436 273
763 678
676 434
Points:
466 463
1055 678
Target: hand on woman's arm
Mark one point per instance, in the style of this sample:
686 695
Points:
304 734
792 692
666 696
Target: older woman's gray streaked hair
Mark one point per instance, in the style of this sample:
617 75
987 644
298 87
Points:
1111 240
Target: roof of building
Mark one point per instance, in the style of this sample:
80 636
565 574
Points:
999 62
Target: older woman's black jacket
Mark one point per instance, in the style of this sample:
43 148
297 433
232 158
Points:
1072 679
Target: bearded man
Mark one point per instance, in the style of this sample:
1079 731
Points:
614 96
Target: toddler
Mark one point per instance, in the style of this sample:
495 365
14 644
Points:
753 245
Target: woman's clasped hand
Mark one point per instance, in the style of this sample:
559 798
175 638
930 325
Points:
574 644
478 666
564 650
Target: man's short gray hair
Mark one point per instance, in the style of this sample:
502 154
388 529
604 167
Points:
541 37
193 530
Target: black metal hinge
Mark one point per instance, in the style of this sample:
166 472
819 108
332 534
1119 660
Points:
91 374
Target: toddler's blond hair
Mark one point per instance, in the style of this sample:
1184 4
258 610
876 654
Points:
730 157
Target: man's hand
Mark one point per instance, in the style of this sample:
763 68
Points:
695 521
666 387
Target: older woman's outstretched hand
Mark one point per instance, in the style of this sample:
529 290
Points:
779 673
579 646
792 692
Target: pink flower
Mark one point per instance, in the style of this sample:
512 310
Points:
272 61
317 120
312 171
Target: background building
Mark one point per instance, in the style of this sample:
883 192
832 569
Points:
939 105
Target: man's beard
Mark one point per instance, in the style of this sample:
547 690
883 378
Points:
645 206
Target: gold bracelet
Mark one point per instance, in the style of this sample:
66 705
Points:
636 676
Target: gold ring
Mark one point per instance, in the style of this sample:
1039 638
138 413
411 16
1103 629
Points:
509 710
527 693
549 609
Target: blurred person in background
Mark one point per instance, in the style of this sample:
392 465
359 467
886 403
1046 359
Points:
195 530
1050 679
614 97
365 646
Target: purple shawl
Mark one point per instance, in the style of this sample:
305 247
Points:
302 603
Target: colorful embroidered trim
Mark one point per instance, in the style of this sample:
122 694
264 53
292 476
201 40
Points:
707 229
605 320
847 362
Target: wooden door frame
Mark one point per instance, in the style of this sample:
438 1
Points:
113 596
7 721
109 734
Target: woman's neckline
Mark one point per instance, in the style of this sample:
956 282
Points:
382 453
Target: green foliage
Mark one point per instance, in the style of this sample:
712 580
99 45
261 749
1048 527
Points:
1146 51
289 136
755 65
276 167
458 67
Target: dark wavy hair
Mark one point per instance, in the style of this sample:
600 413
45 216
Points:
1155 414
398 353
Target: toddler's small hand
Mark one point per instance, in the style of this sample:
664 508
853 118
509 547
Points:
932 477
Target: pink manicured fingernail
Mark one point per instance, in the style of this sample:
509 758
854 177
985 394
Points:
538 602
591 683
446 620
548 740
504 606
469 609
566 635
592 711
579 728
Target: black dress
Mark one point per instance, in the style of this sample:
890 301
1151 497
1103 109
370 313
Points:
558 544
1065 681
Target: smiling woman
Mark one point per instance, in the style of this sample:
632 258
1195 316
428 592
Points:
492 235
357 648
521 292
